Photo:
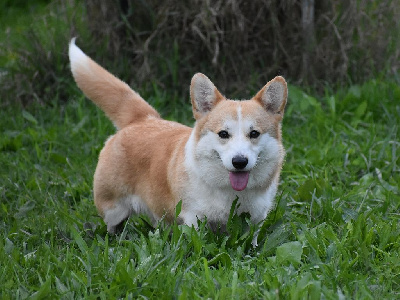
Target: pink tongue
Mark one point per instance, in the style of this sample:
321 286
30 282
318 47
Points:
239 180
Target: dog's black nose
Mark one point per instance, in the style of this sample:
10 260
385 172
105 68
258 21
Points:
239 162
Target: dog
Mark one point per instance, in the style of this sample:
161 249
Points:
233 151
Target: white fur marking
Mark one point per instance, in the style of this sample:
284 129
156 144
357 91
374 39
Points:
123 208
239 114
77 57
208 190
117 214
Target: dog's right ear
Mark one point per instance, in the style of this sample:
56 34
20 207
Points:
204 95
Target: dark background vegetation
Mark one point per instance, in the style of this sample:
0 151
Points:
239 44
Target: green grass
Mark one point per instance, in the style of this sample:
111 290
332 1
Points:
15 17
335 233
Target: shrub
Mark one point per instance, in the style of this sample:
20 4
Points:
34 56
240 41
239 44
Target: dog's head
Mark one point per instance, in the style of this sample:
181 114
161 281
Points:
237 143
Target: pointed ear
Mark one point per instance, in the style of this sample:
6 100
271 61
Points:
273 95
204 95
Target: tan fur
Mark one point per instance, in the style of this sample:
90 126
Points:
128 161
120 103
147 157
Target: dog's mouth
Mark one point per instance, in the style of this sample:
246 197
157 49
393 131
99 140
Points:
239 180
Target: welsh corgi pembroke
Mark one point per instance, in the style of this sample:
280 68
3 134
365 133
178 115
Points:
233 151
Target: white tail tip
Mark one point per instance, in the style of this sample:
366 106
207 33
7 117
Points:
76 56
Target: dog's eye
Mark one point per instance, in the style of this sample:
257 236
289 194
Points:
223 134
254 134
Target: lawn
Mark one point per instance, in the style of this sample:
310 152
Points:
334 234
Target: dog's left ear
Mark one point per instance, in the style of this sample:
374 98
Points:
204 95
273 95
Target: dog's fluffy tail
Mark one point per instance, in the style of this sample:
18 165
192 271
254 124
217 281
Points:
120 103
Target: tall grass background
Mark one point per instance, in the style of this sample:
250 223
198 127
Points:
239 44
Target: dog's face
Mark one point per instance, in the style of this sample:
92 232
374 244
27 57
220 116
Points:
237 144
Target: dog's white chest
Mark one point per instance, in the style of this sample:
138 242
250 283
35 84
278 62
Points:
215 204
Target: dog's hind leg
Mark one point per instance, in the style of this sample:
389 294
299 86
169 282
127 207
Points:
118 213
123 209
